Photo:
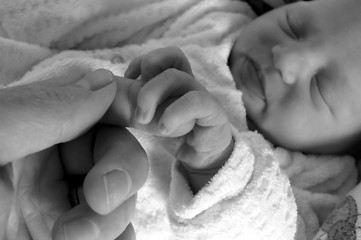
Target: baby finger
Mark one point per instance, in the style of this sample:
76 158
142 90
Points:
170 83
157 61
133 70
198 106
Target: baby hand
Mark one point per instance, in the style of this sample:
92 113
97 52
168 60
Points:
172 103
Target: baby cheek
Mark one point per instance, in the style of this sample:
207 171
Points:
283 129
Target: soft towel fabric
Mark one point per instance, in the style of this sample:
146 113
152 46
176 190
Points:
254 195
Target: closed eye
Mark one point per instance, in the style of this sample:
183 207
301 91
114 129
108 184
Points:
291 27
316 81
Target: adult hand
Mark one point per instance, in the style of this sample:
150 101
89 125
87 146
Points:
48 137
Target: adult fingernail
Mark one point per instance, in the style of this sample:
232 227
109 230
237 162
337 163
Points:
80 228
96 80
117 186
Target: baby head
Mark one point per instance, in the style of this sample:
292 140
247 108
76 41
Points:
299 68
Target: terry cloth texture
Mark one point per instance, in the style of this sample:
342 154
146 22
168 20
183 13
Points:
261 192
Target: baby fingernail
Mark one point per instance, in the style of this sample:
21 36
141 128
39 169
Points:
96 80
117 186
128 72
80 228
163 129
140 115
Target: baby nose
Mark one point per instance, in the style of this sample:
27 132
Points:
294 63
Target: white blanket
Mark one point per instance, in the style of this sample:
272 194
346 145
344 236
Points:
251 196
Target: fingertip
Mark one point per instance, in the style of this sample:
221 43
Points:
106 191
128 73
145 111
142 116
117 184
94 193
96 80
163 128
133 71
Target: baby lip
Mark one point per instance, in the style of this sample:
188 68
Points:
261 81
252 78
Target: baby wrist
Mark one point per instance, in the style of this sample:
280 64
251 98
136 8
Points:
199 177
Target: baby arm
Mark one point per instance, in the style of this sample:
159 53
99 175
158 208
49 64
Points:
168 101
160 95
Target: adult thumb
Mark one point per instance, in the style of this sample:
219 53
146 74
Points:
36 116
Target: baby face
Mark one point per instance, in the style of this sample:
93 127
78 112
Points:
299 68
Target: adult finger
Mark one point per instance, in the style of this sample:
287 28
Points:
77 155
76 165
121 168
169 83
157 61
120 113
77 160
83 223
51 114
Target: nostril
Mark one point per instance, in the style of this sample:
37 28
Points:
289 77
276 56
286 63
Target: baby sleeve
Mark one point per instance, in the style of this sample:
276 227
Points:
344 221
249 198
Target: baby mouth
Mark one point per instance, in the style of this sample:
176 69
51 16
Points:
251 79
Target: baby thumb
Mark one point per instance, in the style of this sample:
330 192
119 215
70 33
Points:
36 116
